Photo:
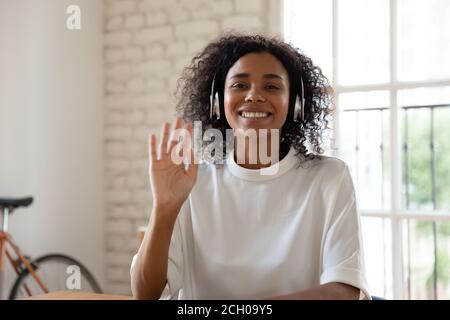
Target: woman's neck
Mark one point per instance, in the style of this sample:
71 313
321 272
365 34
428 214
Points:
252 158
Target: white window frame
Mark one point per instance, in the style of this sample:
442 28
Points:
395 214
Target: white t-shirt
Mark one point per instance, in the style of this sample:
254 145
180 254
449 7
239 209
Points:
246 235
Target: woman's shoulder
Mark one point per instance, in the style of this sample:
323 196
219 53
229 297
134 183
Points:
334 162
326 173
325 163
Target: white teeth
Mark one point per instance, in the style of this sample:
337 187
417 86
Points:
246 114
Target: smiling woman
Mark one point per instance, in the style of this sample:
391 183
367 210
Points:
289 75
233 231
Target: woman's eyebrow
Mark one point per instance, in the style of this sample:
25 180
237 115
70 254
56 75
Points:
267 75
272 76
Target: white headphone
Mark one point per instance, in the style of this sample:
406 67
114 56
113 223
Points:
300 104
214 108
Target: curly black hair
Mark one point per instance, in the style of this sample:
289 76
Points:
306 136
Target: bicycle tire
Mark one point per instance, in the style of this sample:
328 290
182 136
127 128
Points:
37 263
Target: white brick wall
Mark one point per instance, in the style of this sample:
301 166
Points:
147 43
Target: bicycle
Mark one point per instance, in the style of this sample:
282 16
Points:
40 275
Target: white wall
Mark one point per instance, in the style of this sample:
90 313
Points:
51 127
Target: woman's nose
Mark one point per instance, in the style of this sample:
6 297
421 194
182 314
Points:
253 96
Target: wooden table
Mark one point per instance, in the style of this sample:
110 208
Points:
77 295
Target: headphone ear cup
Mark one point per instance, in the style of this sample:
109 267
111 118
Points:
216 106
297 110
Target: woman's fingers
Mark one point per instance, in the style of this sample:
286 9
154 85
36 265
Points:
187 140
176 143
187 134
166 134
190 156
165 130
177 123
189 128
173 138
171 145
152 147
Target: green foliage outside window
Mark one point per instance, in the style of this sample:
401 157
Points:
420 179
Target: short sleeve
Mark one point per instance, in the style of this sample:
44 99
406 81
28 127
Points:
175 264
343 257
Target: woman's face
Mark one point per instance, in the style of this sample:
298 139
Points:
256 93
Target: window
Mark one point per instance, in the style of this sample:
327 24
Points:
388 63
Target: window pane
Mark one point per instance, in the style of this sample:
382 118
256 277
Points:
423 39
424 96
377 255
417 176
423 189
300 19
364 145
443 259
427 267
363 42
442 149
364 100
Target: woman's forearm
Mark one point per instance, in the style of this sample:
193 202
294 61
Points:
149 273
328 291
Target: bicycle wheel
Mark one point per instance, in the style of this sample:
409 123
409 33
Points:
56 272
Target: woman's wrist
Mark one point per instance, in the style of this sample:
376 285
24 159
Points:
166 211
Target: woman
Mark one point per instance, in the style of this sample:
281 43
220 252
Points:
282 227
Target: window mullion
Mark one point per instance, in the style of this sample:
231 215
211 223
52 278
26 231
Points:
433 196
334 39
387 86
397 230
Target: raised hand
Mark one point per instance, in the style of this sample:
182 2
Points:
170 182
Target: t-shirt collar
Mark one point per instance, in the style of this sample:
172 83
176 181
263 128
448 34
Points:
264 174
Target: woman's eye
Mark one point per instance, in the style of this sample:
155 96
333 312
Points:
271 87
239 85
